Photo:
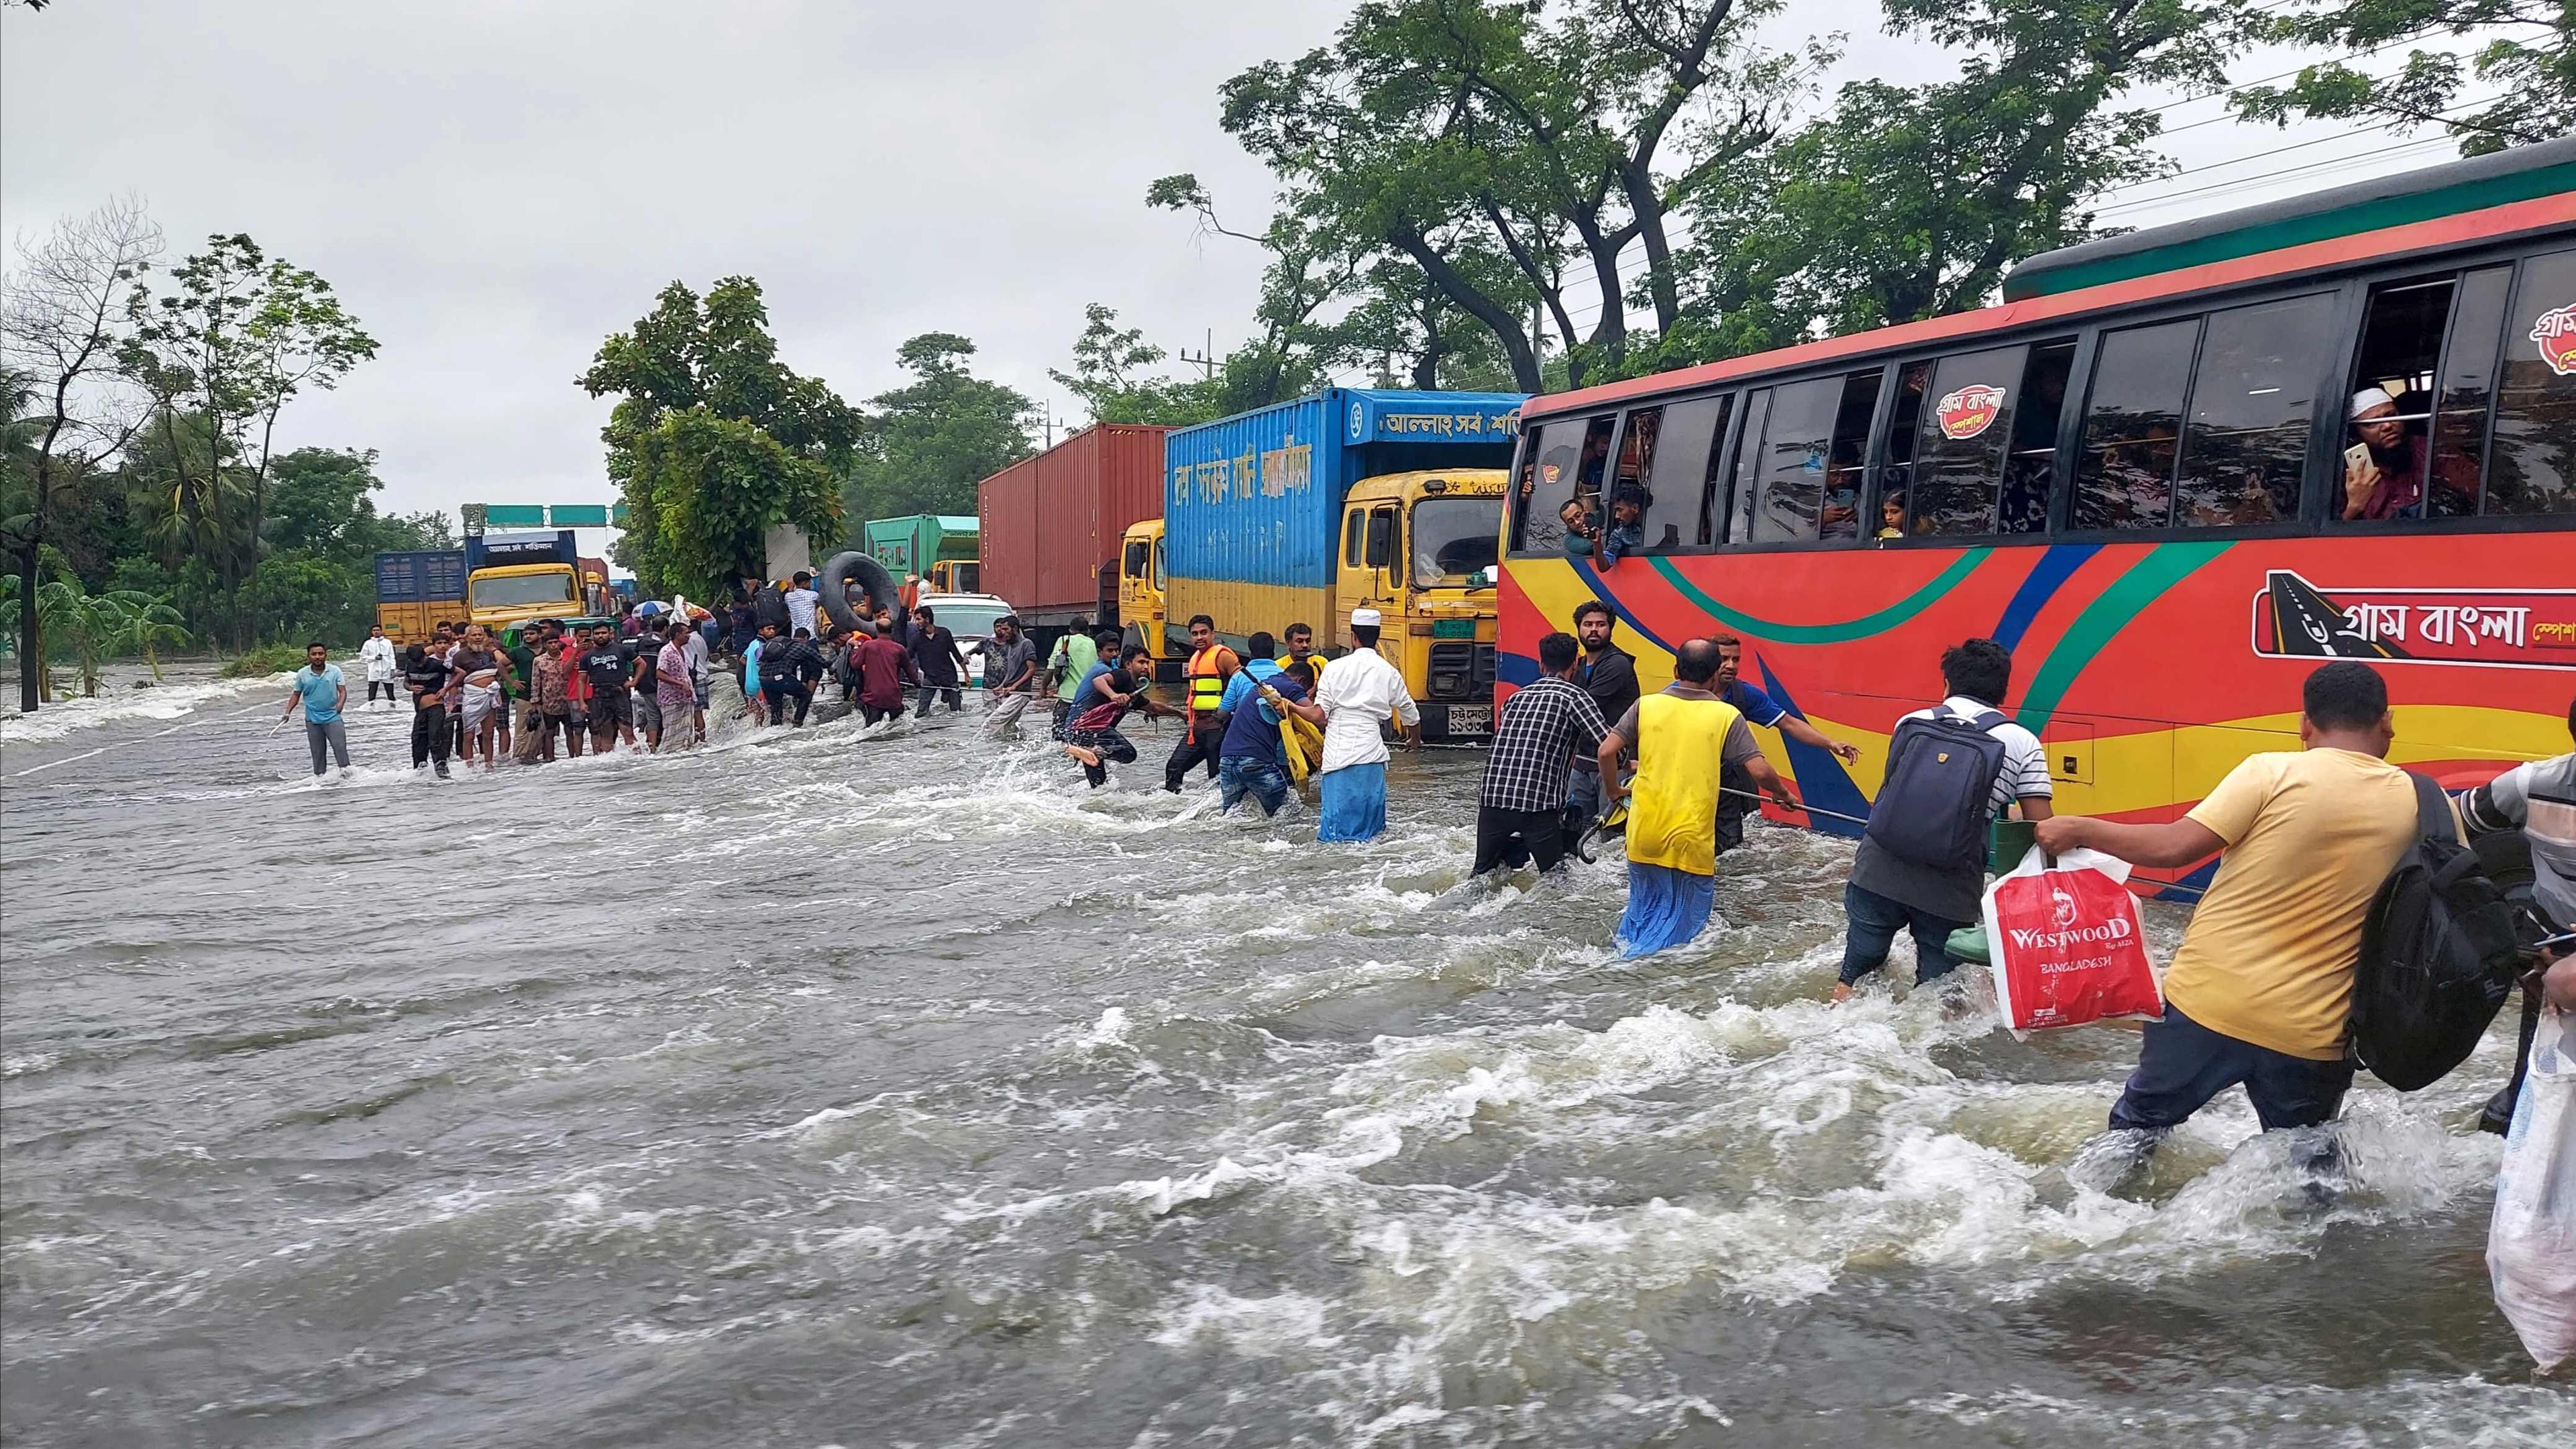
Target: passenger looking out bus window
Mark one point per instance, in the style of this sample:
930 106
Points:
1548 483
2141 375
1844 475
2533 469
2392 467
1891 514
2245 448
1809 461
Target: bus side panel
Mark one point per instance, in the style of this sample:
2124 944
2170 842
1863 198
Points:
2156 666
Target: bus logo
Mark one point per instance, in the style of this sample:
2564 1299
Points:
1971 410
2555 332
2511 628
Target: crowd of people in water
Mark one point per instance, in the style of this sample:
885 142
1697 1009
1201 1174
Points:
2260 993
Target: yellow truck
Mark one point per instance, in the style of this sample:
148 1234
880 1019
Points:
1418 548
1143 575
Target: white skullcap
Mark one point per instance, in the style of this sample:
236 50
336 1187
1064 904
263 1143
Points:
1364 618
2368 398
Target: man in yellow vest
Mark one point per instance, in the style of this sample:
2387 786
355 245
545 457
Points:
1211 666
1684 737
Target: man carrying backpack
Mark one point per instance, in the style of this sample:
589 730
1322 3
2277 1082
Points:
2261 991
1922 861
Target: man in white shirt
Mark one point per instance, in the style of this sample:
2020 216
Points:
1901 878
693 644
800 605
378 655
1359 693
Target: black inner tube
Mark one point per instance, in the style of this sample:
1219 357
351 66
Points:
849 567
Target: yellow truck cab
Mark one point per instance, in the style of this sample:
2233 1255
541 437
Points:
1143 576
503 597
955 576
1417 547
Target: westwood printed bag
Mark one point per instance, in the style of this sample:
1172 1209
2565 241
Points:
2065 943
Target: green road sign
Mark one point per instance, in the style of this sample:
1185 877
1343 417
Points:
579 515
514 515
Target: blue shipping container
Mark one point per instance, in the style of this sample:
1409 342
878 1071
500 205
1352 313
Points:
420 576
1256 498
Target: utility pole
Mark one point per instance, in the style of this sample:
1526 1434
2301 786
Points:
1206 360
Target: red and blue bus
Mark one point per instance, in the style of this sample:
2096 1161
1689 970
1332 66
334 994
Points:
2141 474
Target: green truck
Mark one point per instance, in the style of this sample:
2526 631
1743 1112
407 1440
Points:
942 548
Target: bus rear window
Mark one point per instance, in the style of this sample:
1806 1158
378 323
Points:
2535 424
2253 400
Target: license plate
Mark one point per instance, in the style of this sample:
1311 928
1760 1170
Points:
1453 628
1471 719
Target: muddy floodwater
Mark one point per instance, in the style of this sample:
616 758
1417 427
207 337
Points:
826 1090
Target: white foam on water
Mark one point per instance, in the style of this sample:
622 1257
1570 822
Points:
161 702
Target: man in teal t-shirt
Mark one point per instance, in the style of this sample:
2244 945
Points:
323 691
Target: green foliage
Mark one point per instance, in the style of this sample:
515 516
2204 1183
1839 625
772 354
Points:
263 661
91 628
1109 363
935 438
699 491
2526 60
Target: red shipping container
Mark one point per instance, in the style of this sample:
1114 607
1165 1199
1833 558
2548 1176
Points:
1050 522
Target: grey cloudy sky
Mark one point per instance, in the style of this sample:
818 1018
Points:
495 185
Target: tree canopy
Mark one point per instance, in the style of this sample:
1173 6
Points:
713 440
932 440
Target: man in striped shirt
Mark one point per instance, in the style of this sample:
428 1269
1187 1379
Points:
1520 808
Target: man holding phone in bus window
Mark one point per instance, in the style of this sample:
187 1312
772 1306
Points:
2385 470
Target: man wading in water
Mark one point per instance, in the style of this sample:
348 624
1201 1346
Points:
324 692
1360 693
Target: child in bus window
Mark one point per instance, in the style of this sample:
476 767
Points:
1891 515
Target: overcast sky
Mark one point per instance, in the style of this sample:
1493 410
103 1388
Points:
495 185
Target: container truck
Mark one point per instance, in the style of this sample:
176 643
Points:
416 589
1053 524
1301 512
513 578
940 547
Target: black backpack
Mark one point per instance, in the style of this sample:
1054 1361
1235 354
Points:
1937 800
2438 955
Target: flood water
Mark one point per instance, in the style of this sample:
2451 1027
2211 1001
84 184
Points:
823 1090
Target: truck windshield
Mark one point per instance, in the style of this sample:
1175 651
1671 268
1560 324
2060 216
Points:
510 591
1454 538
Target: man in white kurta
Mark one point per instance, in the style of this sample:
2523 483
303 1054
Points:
1359 692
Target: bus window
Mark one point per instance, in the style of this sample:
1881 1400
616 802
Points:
1674 474
2030 468
2467 392
1897 480
2389 407
1664 464
2535 422
1561 455
1959 457
2140 377
1811 458
2253 400
1747 472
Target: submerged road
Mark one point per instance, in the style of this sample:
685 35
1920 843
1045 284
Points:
817 1090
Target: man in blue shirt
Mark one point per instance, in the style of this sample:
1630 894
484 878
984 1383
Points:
1736 797
321 689
1248 759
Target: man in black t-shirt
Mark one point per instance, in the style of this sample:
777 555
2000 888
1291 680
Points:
1609 675
425 676
612 710
942 667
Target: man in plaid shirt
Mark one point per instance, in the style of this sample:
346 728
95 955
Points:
1520 809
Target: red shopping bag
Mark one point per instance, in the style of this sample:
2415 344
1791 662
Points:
2065 944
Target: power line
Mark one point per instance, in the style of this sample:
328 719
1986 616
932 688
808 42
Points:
2331 163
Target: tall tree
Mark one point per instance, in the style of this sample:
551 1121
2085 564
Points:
1555 136
2524 49
241 335
938 436
63 333
1111 376
713 440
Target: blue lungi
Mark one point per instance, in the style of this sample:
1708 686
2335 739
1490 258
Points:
1352 802
1666 907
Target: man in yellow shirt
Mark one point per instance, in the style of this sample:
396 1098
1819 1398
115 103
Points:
2260 994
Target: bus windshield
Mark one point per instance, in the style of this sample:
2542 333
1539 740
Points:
1454 539
510 591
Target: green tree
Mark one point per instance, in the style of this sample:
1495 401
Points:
63 337
2523 55
1110 377
937 437
241 335
713 440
